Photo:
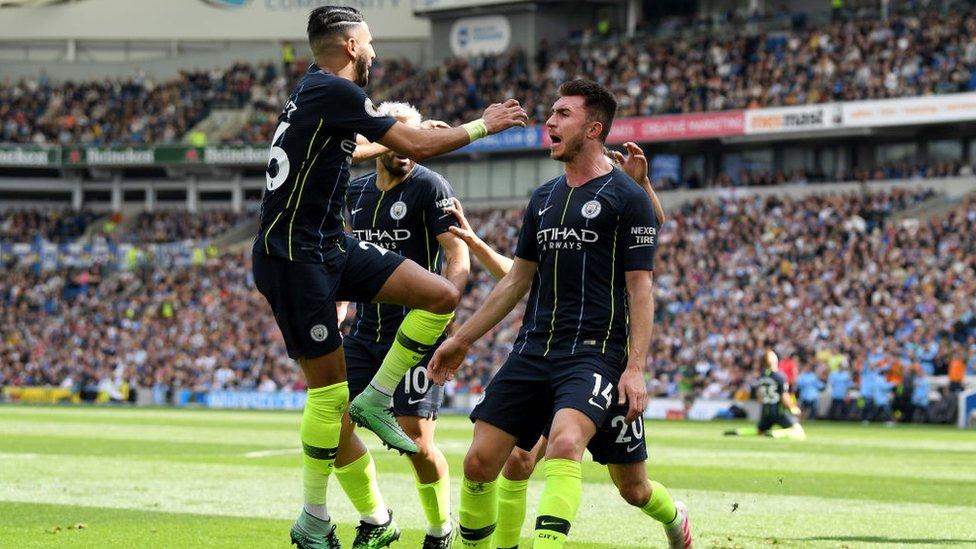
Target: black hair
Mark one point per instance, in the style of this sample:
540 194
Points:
599 102
329 21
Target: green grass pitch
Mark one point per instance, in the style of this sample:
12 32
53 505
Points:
100 477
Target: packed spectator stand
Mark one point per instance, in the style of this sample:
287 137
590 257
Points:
831 282
681 67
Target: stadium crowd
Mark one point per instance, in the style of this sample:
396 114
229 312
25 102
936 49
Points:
131 111
763 178
831 282
172 225
919 52
138 110
53 225
25 225
925 50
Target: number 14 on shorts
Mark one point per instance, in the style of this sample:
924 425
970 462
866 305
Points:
601 392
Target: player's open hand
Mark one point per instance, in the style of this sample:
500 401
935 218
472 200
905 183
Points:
634 162
465 232
434 124
446 360
632 392
499 117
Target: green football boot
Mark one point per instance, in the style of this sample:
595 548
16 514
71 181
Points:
381 421
376 536
310 532
445 542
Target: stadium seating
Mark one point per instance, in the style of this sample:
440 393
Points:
766 263
690 69
917 53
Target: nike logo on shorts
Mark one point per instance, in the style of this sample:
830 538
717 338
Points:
415 400
632 448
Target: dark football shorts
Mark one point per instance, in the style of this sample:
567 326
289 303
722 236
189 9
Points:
619 442
303 295
616 441
528 390
783 419
416 395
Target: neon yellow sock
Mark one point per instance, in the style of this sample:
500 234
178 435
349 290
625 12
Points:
478 514
511 511
358 481
417 334
660 507
321 424
435 498
559 502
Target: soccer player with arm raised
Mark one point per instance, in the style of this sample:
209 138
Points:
622 446
587 240
303 263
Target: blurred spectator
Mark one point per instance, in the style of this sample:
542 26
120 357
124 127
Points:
809 387
840 383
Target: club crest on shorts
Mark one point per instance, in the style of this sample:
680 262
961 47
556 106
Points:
398 210
591 209
319 332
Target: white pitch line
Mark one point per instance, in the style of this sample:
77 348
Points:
268 453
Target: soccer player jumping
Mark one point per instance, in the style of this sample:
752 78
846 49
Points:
586 250
400 208
303 263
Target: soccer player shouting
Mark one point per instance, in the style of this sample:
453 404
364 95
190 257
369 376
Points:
586 250
400 208
303 263
618 445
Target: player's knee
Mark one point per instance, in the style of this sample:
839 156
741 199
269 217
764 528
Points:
477 468
565 447
446 299
426 451
635 493
519 465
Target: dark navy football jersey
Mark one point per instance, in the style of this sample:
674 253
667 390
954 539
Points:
584 239
406 220
307 174
770 389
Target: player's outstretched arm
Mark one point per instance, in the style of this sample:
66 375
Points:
419 144
457 261
631 389
367 150
502 299
497 264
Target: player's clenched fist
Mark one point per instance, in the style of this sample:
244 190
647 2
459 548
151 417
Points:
446 360
499 117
